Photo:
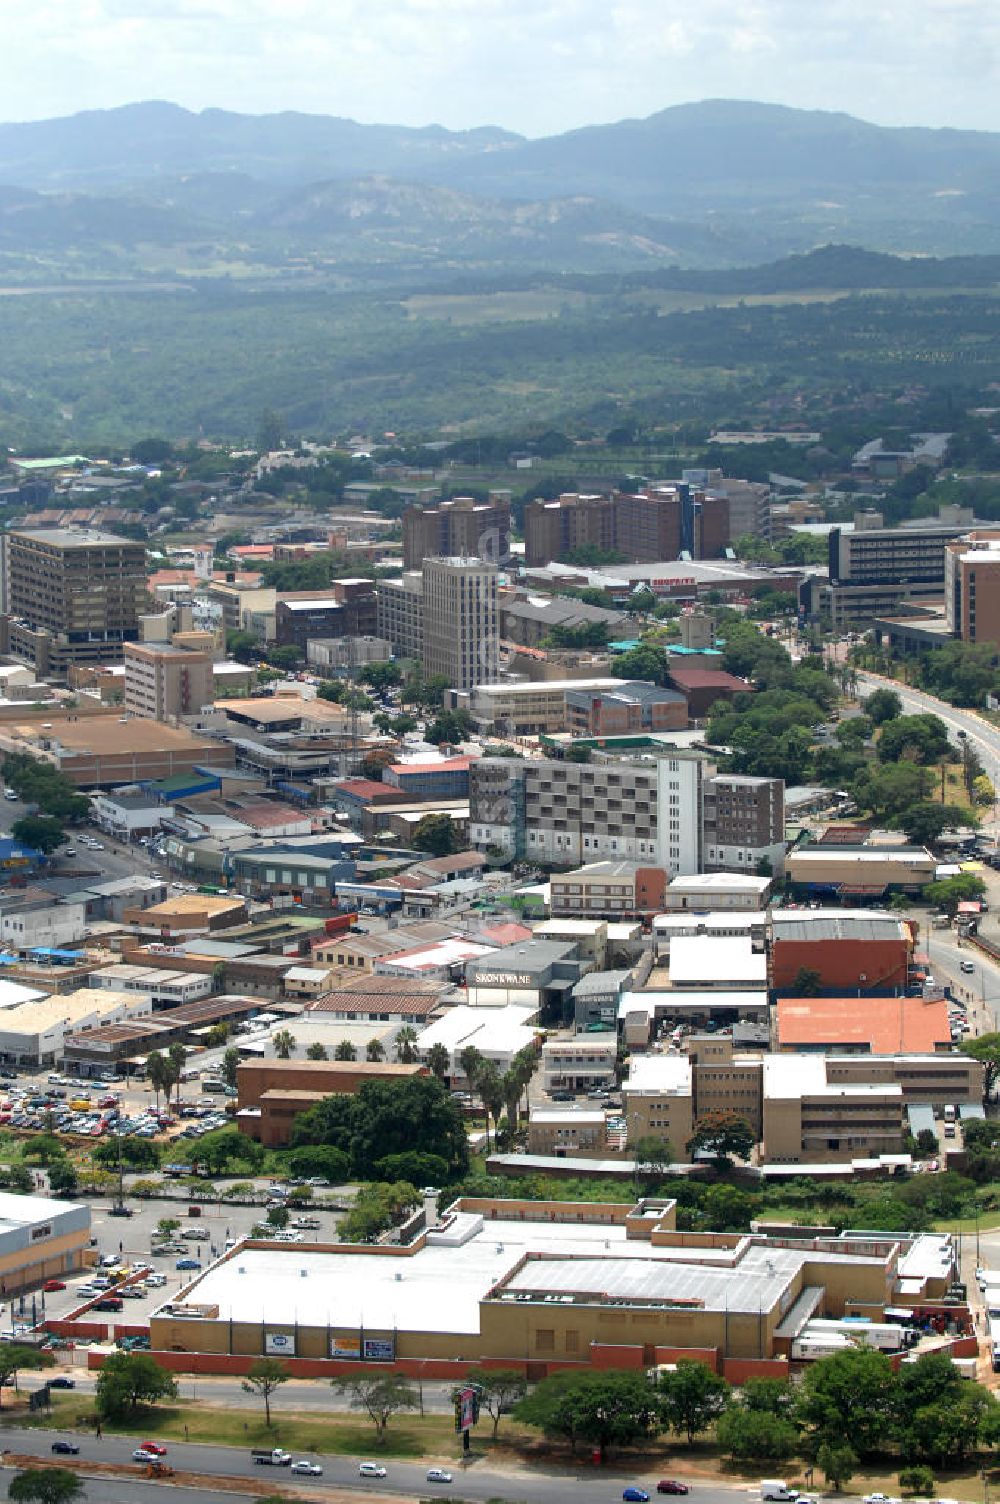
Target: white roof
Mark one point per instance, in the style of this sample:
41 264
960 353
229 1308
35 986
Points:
12 993
569 1116
716 958
544 686
666 1075
805 1076
671 1001
306 973
443 953
491 1030
710 919
720 882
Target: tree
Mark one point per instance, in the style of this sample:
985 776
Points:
406 1045
416 1167
414 1114
377 1207
746 1433
987 1049
692 1397
438 1061
604 1409
284 1043
489 1084
949 892
14 1357
723 1135
318 1051
924 823
381 1396
471 1063
136 1153
176 1058
807 982
725 1208
277 1216
652 1156
41 832
230 1065
159 1073
320 1159
45 1485
500 1389
849 1394
451 726
63 1179
436 834
892 790
285 658
243 646
265 1377
374 1052
127 1380
915 738
344 1051
883 705
917 1479
837 1463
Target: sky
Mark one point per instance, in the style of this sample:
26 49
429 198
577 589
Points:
534 66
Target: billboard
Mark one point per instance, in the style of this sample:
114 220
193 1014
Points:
279 1344
383 1349
345 1347
465 1409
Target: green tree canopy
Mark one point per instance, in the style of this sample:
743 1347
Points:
724 1135
692 1397
128 1380
265 1377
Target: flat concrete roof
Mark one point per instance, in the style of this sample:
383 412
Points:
716 958
886 1025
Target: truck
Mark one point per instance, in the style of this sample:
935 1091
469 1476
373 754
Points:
777 1489
271 1457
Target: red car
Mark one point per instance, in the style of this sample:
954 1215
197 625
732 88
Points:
52 1285
154 1447
671 1486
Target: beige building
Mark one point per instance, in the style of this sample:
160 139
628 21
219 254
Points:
400 614
529 707
543 1285
869 869
811 1119
163 681
579 1064
461 628
568 1131
802 1109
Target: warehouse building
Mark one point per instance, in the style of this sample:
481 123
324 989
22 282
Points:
850 950
40 1239
35 1033
540 1286
843 871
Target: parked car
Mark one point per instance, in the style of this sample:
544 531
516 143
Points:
635 1495
187 1264
52 1285
671 1486
65 1448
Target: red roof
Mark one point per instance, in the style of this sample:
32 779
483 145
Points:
444 765
708 678
887 1025
366 788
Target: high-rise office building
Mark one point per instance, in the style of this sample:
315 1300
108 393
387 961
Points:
163 681
461 628
72 597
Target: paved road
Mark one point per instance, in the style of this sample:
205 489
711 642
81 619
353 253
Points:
984 736
580 1485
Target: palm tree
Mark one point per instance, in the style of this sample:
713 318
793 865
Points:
491 1091
406 1045
159 1073
284 1043
374 1052
317 1051
176 1056
471 1062
439 1060
344 1051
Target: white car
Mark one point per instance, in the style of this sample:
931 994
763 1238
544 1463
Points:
438 1475
305 1466
373 1470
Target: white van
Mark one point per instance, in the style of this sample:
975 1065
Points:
372 1470
778 1490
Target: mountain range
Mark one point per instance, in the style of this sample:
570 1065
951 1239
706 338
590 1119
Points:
720 183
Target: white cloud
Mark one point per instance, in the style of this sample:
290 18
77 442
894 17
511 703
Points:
531 65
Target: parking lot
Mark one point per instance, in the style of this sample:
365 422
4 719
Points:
130 1240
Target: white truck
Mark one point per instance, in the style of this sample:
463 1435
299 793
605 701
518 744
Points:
778 1490
271 1457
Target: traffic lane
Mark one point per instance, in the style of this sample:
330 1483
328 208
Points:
477 1482
985 737
296 1396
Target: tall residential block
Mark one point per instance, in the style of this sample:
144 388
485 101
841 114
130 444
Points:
972 587
461 624
72 597
458 528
